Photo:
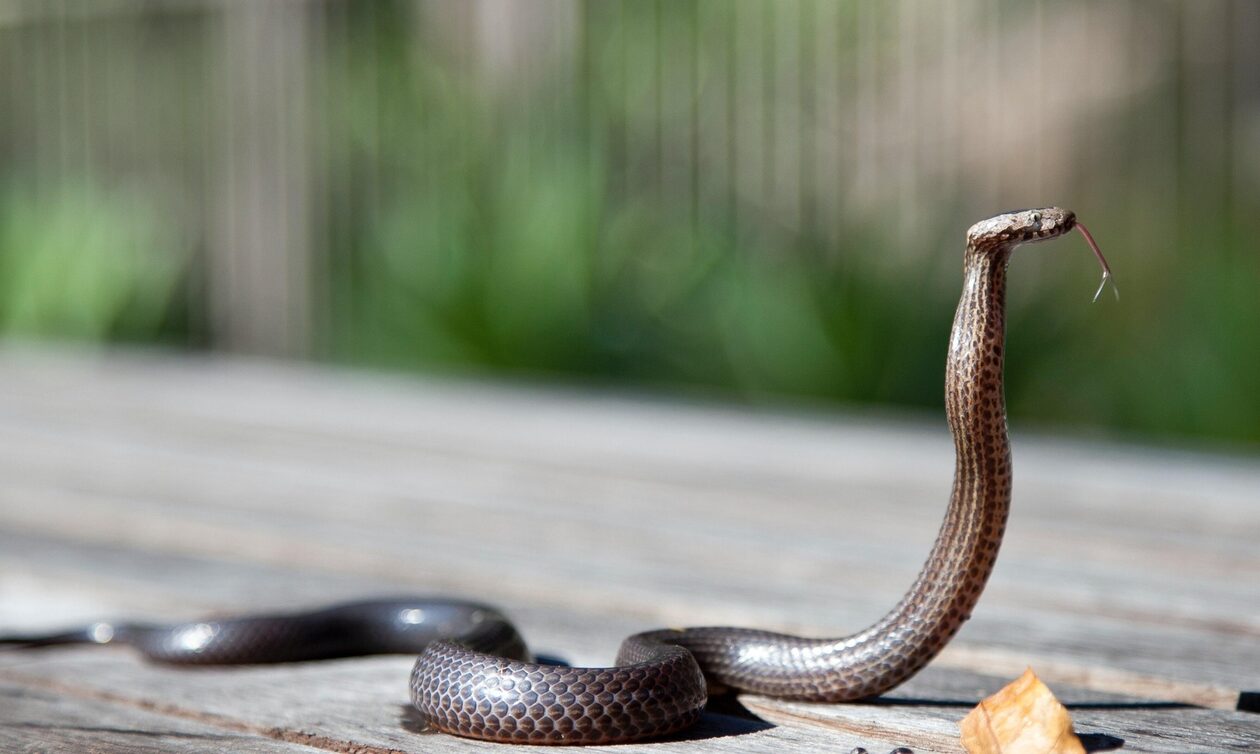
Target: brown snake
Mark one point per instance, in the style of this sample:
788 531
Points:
478 695
477 683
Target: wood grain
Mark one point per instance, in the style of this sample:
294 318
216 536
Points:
157 487
34 719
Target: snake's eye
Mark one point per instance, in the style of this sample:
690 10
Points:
1036 217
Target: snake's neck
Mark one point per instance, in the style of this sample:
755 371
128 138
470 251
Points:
962 558
975 406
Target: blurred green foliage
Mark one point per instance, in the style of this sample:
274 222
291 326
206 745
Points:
86 264
477 231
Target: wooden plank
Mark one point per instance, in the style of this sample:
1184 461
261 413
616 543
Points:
1142 727
363 703
652 593
340 546
159 488
938 699
40 720
341 703
166 479
348 700
338 705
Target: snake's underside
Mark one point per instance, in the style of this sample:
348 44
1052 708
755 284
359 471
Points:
473 677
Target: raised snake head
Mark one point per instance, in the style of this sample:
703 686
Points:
1010 229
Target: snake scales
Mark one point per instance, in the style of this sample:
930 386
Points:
473 677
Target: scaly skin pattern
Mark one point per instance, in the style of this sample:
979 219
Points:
864 664
482 696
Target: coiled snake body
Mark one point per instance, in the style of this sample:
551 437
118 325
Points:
473 678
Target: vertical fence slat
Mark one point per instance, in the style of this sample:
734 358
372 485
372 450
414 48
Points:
260 244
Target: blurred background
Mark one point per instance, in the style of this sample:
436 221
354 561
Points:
750 201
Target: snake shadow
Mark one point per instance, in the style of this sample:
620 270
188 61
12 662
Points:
410 720
722 718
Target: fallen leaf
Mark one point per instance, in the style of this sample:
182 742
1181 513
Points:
1023 718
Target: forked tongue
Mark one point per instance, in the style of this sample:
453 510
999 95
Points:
1106 269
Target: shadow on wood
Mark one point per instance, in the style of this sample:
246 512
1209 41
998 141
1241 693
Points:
725 718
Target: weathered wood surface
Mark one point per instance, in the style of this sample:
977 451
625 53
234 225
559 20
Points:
162 488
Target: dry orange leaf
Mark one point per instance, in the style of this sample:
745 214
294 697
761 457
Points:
1022 718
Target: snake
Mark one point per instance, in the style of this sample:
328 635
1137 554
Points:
474 676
